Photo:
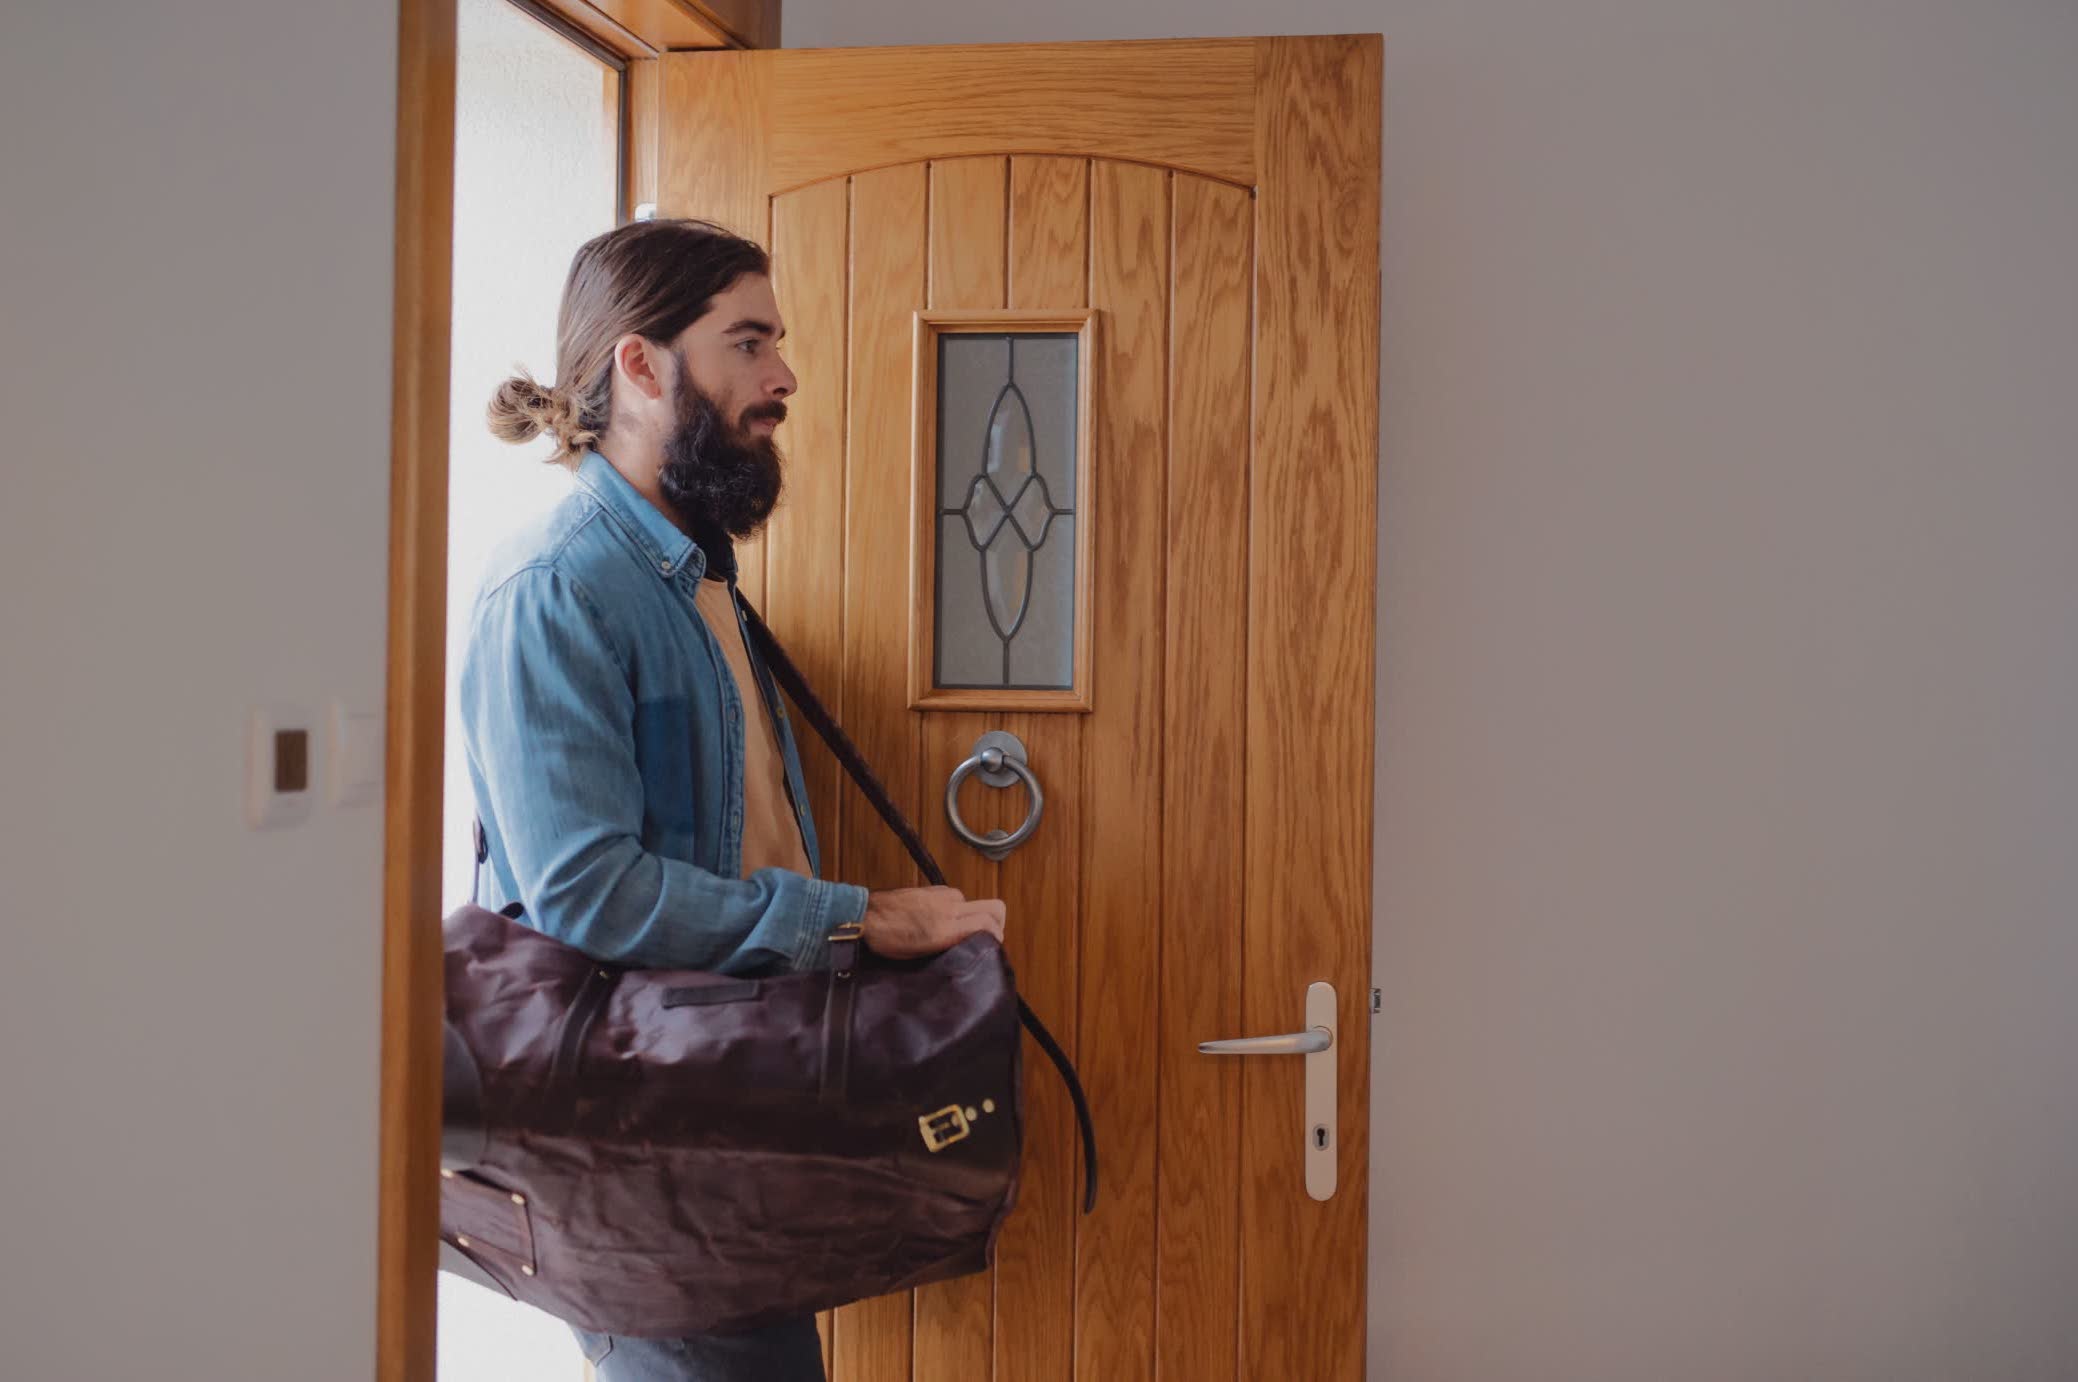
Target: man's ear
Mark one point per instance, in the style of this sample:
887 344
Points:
641 364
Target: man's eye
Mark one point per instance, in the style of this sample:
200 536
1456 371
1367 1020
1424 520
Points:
749 347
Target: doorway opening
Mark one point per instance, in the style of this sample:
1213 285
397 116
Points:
541 118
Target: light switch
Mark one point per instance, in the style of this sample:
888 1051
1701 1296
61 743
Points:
291 760
279 768
356 756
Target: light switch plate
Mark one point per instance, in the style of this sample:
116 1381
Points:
356 752
267 807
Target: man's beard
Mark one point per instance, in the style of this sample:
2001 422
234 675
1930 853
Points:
717 474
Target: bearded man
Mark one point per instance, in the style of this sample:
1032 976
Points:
636 777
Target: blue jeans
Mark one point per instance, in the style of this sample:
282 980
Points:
790 1352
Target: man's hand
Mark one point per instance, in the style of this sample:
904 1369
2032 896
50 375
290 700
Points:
910 923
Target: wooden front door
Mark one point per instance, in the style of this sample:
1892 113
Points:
1202 218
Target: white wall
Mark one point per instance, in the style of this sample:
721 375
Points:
1728 765
195 242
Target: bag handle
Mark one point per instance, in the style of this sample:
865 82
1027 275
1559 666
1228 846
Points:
812 709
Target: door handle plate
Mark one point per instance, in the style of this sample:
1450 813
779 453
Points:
1321 1128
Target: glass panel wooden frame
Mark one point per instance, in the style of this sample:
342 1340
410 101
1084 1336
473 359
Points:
924 694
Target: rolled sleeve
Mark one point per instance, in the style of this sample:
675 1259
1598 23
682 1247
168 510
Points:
828 906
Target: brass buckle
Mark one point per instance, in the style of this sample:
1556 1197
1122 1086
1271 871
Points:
849 931
945 1127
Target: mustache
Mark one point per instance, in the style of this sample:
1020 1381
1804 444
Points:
759 412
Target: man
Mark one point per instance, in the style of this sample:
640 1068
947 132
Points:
632 761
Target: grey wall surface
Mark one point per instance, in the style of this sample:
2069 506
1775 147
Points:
195 245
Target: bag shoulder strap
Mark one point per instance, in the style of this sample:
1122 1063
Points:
812 709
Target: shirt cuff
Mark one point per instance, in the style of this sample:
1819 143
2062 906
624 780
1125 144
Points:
830 905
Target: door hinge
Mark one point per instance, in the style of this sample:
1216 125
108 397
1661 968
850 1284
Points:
1377 1001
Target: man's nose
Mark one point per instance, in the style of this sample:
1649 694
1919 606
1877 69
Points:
784 382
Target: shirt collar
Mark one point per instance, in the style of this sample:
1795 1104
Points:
668 549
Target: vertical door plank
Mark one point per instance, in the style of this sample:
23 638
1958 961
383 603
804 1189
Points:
805 541
1122 778
870 1341
1313 508
954 1319
1035 1257
1049 233
967 226
1203 797
888 241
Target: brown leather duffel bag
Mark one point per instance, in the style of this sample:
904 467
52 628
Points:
665 1153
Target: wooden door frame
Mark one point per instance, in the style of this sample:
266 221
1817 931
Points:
408 1199
1301 406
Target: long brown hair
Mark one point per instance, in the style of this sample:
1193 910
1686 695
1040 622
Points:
652 278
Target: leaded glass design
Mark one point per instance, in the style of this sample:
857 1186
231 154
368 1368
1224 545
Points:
1007 430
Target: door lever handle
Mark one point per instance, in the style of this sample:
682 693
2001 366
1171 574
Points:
1317 1044
1306 1043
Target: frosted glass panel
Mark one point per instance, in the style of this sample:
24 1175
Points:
969 653
971 371
1006 494
1046 370
1044 655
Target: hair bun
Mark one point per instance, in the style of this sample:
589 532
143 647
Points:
521 409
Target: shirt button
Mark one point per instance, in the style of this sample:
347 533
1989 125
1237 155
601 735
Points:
665 567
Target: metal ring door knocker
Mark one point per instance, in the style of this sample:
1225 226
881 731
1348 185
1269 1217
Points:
1000 759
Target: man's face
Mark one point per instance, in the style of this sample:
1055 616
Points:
733 353
720 459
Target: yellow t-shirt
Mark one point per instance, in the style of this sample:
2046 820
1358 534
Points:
771 832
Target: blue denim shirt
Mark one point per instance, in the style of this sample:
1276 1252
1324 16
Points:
605 738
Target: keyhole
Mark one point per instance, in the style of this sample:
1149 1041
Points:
1320 1137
